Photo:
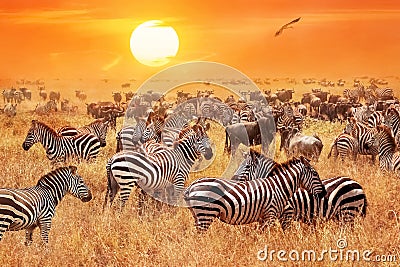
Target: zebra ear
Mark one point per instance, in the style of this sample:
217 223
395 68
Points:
195 127
73 169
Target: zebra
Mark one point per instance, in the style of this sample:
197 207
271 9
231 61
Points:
392 119
154 172
362 114
389 158
253 166
260 200
35 206
354 95
344 145
46 108
60 148
384 93
376 118
345 200
130 137
364 136
98 127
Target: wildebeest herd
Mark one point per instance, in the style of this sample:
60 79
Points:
164 140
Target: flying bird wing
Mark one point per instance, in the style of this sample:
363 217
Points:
286 26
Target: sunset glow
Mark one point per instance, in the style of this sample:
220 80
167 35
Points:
55 39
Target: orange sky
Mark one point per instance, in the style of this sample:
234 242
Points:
70 39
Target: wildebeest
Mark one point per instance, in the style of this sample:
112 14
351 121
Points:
259 132
80 95
26 93
8 95
10 110
308 146
117 96
333 99
42 94
322 95
285 95
55 96
128 96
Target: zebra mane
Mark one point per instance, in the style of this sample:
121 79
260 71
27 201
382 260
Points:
45 126
286 164
54 173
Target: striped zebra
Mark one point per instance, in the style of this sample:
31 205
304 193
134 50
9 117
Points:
344 146
155 172
35 206
131 137
253 166
384 93
392 119
354 95
362 114
389 158
98 127
287 126
345 199
261 200
60 148
364 136
376 118
173 126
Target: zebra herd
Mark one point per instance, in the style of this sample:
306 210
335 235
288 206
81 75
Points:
157 155
373 133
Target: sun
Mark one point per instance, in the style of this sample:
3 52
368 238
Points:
153 43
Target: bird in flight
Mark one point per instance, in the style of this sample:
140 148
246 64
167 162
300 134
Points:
286 26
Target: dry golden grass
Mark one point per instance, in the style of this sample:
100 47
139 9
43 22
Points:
82 235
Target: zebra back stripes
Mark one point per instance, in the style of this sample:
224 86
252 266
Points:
35 206
60 148
345 200
260 200
98 127
343 146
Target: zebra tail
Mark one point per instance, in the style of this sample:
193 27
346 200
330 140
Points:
332 146
110 182
364 208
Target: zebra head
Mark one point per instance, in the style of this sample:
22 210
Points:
77 187
310 179
202 141
255 165
351 124
101 132
32 137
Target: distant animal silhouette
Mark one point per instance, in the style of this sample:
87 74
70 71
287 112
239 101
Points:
286 26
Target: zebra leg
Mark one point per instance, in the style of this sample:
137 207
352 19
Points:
45 226
286 218
28 235
5 222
